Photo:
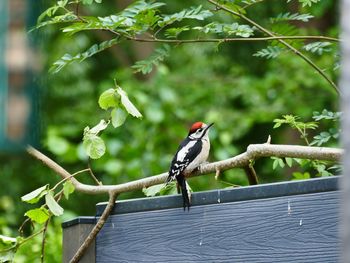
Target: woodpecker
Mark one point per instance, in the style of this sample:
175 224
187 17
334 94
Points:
192 152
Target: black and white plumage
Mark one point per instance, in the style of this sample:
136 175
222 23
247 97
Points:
192 152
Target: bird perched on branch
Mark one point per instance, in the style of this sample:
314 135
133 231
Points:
192 152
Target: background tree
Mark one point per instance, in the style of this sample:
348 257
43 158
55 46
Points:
215 81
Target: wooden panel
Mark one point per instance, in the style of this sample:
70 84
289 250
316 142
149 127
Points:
301 228
73 237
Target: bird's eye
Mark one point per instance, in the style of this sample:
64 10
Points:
199 130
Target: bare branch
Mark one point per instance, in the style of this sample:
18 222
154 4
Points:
43 242
223 40
87 242
254 152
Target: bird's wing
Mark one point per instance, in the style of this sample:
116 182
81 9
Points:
186 153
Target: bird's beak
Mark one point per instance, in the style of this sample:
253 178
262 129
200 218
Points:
208 126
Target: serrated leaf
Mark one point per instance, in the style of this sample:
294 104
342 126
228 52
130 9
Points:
94 146
39 215
128 105
53 206
108 99
153 190
34 196
68 188
118 116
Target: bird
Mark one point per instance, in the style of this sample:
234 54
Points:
191 153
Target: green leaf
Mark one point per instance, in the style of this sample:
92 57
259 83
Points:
108 99
300 176
269 52
8 247
169 189
89 2
93 50
68 188
327 115
153 190
7 242
129 107
53 206
57 144
289 161
97 128
146 66
275 164
39 215
292 17
227 29
281 162
192 13
34 196
94 146
68 17
318 47
174 32
118 116
308 2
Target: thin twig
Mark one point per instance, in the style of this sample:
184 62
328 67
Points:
20 229
92 235
252 3
251 174
31 236
42 257
223 40
92 173
217 174
67 178
271 34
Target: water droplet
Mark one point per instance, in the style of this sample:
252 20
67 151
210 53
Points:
289 208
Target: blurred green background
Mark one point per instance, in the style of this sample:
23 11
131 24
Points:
240 93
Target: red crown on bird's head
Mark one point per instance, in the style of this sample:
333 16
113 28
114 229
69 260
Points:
195 126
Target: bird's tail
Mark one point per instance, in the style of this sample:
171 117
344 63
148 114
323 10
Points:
186 195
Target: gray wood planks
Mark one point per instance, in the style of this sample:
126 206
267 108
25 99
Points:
300 228
73 237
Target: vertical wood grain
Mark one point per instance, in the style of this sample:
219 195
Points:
73 237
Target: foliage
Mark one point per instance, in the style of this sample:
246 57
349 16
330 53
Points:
320 167
215 82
